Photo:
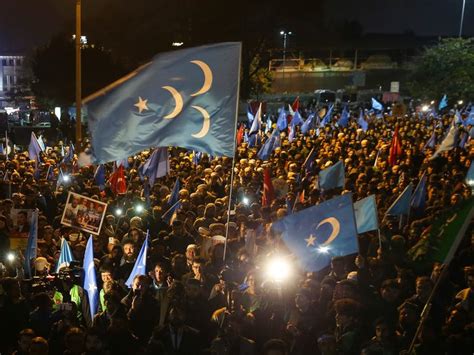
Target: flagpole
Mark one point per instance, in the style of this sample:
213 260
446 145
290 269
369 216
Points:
233 157
78 76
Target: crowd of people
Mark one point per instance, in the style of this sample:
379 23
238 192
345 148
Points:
202 294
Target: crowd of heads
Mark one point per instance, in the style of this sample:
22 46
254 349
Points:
207 288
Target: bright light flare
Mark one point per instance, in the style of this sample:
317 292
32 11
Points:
118 212
323 249
278 269
139 208
66 178
246 201
10 257
425 108
470 182
460 102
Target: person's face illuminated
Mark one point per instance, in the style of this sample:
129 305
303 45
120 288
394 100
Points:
128 250
106 276
159 274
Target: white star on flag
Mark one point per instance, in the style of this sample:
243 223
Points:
310 241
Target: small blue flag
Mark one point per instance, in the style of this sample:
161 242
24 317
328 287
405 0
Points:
257 122
2 150
366 214
65 257
431 142
362 122
308 124
470 118
173 202
268 125
418 199
449 142
443 103
401 206
156 166
327 117
297 120
68 158
140 264
185 98
308 163
332 177
376 105
463 140
282 122
457 118
41 143
316 234
99 176
196 157
32 246
344 119
250 115
34 148
273 142
90 280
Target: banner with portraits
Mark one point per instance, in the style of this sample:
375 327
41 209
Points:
84 213
21 219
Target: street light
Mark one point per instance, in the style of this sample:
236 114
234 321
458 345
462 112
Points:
78 76
462 17
285 35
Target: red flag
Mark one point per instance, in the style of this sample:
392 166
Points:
117 181
302 196
268 191
240 134
296 104
395 149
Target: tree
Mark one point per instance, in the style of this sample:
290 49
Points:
447 68
53 69
260 77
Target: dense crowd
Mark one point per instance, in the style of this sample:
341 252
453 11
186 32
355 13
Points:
193 300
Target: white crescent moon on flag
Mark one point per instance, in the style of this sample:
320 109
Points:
207 77
178 100
206 124
336 227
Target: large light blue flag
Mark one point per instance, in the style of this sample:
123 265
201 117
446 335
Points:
282 122
316 234
332 177
443 103
156 166
65 257
366 214
376 105
32 246
470 175
401 206
140 264
34 149
90 280
273 142
418 199
185 98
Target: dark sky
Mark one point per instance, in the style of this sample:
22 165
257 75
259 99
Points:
27 23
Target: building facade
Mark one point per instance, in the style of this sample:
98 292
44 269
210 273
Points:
13 74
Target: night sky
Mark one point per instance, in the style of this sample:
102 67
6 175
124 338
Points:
28 23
